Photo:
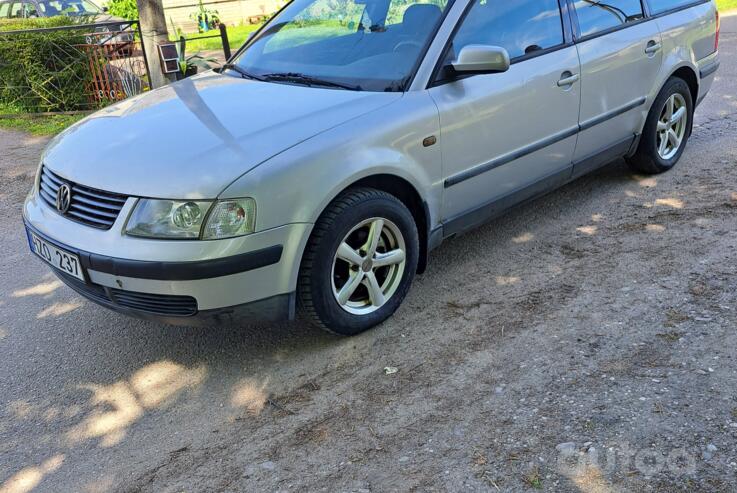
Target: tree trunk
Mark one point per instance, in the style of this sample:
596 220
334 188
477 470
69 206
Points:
154 31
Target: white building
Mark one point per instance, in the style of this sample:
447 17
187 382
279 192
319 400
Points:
230 12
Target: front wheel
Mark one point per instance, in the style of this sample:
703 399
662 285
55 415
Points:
359 263
666 130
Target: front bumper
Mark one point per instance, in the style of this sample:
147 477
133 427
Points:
179 282
182 310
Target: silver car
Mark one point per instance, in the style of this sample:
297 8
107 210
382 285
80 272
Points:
347 139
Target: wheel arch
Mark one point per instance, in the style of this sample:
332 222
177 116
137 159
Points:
685 72
689 75
411 198
408 194
642 160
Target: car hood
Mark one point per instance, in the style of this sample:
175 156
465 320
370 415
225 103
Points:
191 139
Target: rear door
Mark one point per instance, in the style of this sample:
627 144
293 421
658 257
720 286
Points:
502 133
689 30
621 55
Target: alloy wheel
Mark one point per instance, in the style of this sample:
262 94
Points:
672 126
368 266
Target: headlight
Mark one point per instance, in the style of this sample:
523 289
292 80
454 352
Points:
167 219
230 218
172 219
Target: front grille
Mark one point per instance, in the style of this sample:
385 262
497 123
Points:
180 306
155 304
88 206
95 292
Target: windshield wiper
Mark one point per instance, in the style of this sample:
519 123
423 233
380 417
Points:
308 80
244 73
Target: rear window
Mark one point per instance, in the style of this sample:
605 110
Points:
596 16
660 6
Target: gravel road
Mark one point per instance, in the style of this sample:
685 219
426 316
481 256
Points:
584 342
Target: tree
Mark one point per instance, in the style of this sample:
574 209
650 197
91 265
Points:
127 9
154 32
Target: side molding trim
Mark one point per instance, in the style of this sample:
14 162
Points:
491 210
612 114
508 158
495 208
537 146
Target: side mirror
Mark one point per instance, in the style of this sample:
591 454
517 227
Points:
105 9
481 59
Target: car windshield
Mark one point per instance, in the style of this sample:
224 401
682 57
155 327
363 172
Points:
50 8
371 45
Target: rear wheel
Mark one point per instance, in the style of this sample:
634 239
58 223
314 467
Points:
359 263
666 130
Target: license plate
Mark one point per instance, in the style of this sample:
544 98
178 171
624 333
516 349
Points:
57 258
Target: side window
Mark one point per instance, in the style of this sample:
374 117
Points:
660 6
595 15
4 9
521 26
51 8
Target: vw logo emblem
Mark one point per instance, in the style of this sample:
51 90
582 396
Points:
63 198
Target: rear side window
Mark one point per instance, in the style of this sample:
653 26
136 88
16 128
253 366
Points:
595 16
660 6
521 27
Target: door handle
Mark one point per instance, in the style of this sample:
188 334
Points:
653 47
568 79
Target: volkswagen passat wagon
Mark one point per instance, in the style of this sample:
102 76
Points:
347 139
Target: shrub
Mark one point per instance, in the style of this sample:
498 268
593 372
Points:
36 23
127 9
44 71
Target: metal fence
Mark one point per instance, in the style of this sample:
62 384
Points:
72 68
221 33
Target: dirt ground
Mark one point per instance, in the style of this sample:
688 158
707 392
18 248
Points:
585 342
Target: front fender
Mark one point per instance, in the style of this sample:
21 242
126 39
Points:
297 185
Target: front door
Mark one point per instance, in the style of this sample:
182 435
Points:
506 135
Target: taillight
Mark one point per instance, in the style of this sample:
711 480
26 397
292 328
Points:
719 27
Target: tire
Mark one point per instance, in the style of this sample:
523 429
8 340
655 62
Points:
338 295
650 158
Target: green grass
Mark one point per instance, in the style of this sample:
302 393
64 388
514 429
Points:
236 36
725 5
42 125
